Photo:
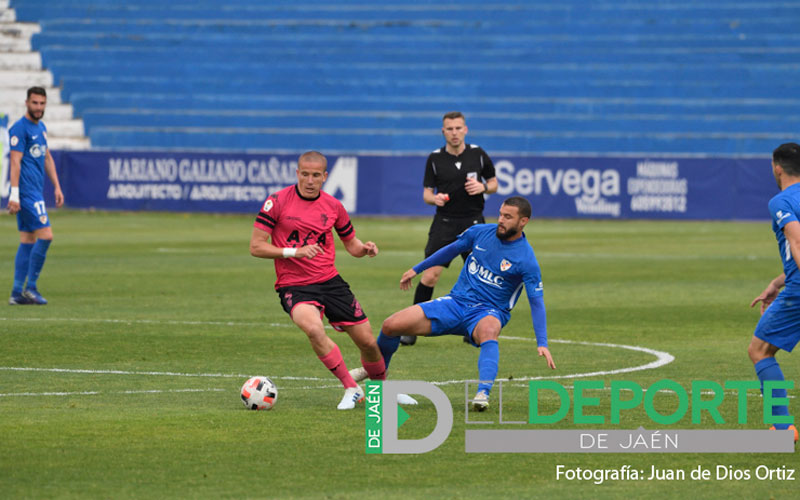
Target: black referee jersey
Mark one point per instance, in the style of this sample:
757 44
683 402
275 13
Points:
447 174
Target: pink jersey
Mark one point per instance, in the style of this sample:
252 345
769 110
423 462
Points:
293 222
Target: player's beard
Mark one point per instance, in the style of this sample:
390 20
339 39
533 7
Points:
33 114
509 233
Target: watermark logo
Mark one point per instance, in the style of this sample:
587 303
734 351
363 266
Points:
384 417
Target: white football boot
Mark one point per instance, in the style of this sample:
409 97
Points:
481 401
352 395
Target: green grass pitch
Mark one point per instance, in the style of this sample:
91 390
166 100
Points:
127 384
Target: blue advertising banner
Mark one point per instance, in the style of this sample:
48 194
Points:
571 187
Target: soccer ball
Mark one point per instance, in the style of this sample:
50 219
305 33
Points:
259 393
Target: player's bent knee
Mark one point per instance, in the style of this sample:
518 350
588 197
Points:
759 349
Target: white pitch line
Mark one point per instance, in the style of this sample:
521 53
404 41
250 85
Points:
92 393
662 358
158 374
148 322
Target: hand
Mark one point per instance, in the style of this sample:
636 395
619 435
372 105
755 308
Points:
440 199
544 351
309 251
13 207
59 198
405 280
766 298
370 249
474 187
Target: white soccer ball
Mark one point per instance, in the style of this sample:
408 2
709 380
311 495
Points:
259 393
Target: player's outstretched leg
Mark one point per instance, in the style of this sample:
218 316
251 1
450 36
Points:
488 361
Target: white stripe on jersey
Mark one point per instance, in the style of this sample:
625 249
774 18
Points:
515 296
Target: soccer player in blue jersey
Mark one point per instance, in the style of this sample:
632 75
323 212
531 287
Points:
30 161
779 326
479 305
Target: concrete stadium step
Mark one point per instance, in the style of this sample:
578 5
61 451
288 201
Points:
25 61
25 78
19 30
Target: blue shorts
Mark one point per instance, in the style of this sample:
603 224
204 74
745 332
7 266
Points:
450 316
780 323
32 215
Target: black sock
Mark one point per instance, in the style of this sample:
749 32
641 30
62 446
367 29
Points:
423 293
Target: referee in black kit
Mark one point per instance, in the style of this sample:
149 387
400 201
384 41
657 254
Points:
456 178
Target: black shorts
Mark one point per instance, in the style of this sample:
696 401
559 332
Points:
333 298
445 230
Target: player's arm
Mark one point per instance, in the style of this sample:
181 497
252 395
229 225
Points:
539 318
357 248
439 258
50 169
261 247
15 160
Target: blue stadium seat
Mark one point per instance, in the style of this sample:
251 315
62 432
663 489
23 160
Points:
532 77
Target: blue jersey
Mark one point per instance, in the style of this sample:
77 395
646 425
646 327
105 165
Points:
496 270
30 139
784 208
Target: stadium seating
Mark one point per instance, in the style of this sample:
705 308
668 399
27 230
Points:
576 76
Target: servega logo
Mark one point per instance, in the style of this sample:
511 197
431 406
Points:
589 184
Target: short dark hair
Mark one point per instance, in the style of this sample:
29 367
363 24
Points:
38 91
787 156
313 157
523 205
452 115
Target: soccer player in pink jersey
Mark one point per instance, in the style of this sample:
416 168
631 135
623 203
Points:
294 229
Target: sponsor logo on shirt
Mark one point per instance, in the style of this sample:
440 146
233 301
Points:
484 275
37 150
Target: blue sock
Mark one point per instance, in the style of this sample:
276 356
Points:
388 346
769 369
38 255
487 364
21 266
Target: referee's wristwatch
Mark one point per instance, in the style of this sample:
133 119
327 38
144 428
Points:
485 187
